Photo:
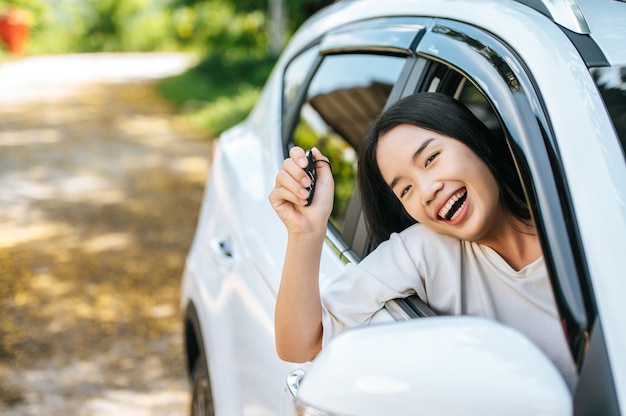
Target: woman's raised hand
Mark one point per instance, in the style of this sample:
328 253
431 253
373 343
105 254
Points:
289 196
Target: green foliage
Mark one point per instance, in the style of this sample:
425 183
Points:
217 26
104 25
203 26
219 91
343 166
232 35
216 116
300 10
144 32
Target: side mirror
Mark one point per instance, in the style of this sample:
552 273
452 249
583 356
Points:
435 366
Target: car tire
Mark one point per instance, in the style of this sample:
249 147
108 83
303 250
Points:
201 397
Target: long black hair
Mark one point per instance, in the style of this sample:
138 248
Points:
440 113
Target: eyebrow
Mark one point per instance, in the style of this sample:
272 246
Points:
417 154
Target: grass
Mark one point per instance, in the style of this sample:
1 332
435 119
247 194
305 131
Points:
219 91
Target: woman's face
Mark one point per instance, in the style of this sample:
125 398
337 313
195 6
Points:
441 183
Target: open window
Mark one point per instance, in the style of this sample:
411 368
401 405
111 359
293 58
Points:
489 78
358 69
495 88
345 95
485 75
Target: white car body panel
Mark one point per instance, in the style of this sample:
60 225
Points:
483 371
604 19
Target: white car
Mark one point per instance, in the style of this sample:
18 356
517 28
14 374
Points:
548 76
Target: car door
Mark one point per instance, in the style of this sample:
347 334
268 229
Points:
331 90
495 83
331 86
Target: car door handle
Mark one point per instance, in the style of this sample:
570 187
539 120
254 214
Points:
293 381
221 248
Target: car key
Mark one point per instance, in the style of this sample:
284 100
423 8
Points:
312 172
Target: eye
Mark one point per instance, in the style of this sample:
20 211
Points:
431 158
405 190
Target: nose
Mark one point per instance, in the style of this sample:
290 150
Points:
430 189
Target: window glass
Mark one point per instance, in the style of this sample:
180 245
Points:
446 80
344 97
473 99
295 74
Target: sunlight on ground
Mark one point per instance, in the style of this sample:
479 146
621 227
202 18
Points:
193 168
83 378
100 197
13 235
25 81
120 402
21 137
110 241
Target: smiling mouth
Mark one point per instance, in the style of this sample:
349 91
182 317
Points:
452 208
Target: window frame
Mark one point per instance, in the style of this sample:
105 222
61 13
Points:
509 88
500 75
395 36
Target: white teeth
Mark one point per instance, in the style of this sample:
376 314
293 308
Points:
458 211
443 212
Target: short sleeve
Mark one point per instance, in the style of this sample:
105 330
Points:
397 268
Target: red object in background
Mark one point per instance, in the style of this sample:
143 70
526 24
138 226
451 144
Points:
14 30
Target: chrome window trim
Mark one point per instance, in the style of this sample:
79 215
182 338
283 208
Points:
411 307
396 311
339 246
388 35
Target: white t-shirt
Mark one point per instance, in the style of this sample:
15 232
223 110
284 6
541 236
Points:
454 278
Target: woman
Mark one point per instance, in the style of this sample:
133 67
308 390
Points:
448 219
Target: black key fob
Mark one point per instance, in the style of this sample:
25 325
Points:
312 172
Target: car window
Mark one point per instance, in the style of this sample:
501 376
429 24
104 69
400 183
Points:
445 79
295 76
473 99
345 95
489 81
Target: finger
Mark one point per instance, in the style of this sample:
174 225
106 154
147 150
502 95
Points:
317 154
281 203
284 201
296 172
297 193
322 164
297 154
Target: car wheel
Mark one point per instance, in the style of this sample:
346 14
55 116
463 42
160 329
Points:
201 397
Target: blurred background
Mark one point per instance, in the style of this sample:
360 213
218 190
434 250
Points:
236 42
108 113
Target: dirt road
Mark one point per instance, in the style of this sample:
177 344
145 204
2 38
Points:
100 188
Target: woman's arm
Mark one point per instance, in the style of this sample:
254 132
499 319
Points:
298 319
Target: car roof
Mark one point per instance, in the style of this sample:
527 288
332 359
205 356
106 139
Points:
602 20
606 20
